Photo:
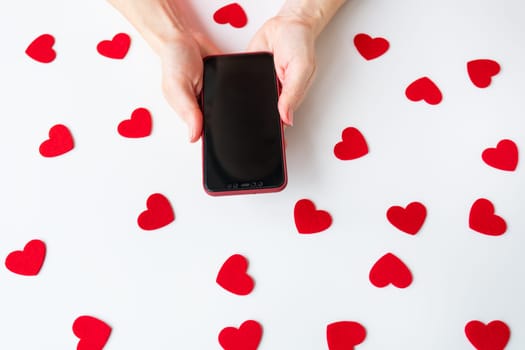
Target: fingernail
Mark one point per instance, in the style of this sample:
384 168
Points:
190 133
290 117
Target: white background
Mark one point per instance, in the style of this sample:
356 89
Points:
157 289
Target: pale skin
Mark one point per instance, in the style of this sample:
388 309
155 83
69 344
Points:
290 35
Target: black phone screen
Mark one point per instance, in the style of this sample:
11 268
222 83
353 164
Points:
242 131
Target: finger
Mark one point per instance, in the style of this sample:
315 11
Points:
295 80
182 98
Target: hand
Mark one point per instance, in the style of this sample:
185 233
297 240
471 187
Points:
291 39
182 70
180 46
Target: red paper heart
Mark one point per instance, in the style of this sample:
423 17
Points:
409 219
352 146
116 48
369 47
246 337
503 157
233 276
139 125
233 14
493 336
310 220
159 213
390 269
41 49
481 71
28 261
60 141
424 89
92 332
344 335
484 220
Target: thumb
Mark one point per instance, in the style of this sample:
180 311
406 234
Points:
182 98
295 80
183 94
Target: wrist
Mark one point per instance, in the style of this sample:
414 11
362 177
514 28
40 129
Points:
313 13
311 19
158 21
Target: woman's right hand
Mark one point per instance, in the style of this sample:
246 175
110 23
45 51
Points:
182 70
181 49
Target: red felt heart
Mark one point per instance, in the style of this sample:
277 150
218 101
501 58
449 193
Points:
503 157
139 125
369 47
41 49
352 146
28 261
409 219
390 269
246 337
233 276
233 14
93 333
424 89
60 141
492 336
159 213
484 220
310 220
116 48
481 71
344 335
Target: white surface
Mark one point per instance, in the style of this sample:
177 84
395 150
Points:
157 289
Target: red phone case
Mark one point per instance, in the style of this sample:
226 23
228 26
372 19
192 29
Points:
283 146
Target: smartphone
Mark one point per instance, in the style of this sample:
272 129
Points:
242 141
